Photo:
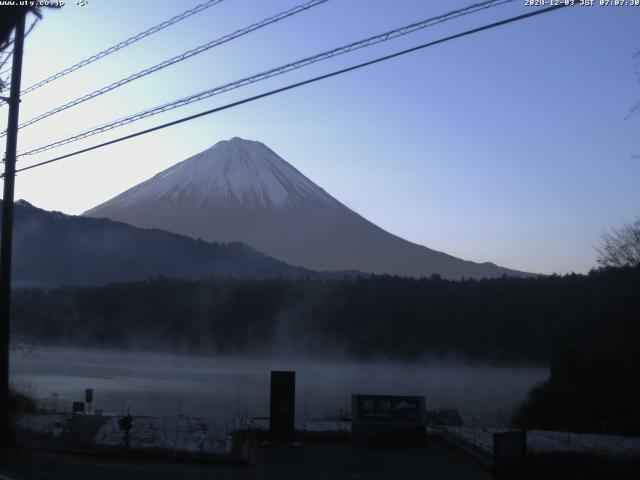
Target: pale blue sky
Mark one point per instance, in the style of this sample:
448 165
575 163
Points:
508 146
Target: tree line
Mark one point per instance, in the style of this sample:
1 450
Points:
502 320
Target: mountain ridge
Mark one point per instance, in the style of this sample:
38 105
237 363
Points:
240 190
54 249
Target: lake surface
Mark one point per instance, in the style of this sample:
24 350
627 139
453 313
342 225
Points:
161 384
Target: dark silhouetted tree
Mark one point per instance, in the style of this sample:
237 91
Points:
621 246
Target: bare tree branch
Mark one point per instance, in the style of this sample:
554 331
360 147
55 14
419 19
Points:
621 246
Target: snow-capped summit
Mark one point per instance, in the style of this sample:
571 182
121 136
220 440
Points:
240 190
234 172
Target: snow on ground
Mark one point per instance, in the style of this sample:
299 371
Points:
177 434
262 424
540 441
215 437
182 434
53 425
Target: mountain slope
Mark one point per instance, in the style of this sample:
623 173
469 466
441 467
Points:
52 249
240 190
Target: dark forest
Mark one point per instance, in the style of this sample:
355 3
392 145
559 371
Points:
511 320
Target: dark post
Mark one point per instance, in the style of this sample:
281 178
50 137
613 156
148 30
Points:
126 423
282 406
88 398
6 427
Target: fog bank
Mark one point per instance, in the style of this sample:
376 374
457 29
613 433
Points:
161 384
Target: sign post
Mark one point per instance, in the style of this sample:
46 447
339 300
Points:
126 424
77 407
282 407
88 398
387 419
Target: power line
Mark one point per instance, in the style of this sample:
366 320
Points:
5 76
7 44
3 61
8 55
31 27
178 58
299 84
124 43
5 80
383 37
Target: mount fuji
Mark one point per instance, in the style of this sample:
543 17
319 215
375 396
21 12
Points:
240 190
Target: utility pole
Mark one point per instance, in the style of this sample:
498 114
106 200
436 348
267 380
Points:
6 235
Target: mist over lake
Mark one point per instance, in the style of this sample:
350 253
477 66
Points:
161 384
